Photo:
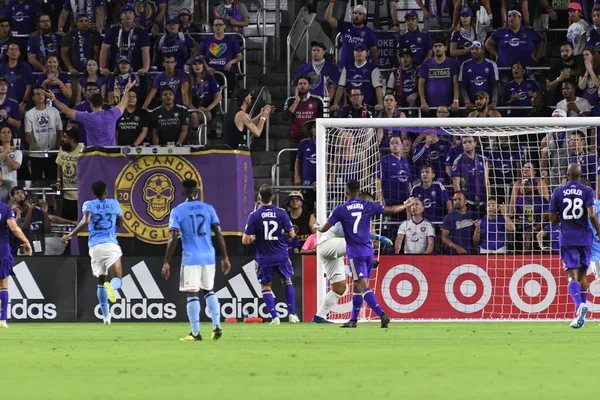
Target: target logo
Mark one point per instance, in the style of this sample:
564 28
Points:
468 288
404 288
594 290
532 288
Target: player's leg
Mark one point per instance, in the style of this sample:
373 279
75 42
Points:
286 271
265 277
331 255
571 258
102 295
363 285
357 297
585 253
3 302
212 301
189 283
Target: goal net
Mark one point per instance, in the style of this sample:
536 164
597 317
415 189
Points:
478 244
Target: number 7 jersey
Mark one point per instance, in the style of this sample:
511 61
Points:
570 202
268 224
195 220
103 224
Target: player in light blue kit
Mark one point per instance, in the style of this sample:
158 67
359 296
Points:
571 204
102 216
595 259
355 216
195 220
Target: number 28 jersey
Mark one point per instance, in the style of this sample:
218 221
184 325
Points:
103 224
268 224
571 202
195 220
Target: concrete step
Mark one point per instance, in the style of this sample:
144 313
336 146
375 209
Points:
273 79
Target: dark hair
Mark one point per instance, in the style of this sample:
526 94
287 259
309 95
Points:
96 100
366 196
463 194
3 20
11 43
240 96
15 189
73 133
38 87
356 88
39 16
306 78
166 88
266 193
99 188
190 187
578 133
91 84
169 56
492 198
3 125
352 187
567 43
427 166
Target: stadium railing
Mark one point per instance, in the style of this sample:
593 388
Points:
292 48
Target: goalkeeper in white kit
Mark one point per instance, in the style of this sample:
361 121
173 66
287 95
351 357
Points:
331 253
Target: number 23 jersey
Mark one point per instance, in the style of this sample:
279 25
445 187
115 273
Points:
268 224
571 202
102 226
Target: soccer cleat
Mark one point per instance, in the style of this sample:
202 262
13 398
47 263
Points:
293 319
3 324
580 318
217 333
112 297
107 320
385 320
275 321
320 320
191 338
375 264
349 324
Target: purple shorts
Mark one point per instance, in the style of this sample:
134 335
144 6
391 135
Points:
265 274
361 267
576 256
6 267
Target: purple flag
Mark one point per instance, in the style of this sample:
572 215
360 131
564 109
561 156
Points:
148 187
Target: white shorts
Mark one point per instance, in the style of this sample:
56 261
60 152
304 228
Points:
103 256
595 268
331 255
192 278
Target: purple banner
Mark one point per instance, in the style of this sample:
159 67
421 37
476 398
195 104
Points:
148 187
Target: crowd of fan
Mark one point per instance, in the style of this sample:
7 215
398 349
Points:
477 195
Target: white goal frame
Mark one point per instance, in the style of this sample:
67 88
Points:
323 123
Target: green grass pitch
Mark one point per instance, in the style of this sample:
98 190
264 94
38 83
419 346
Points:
306 361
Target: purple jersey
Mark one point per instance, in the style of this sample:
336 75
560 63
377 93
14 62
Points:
12 111
327 74
439 78
178 45
504 165
174 82
554 231
514 47
6 213
588 167
101 127
18 79
434 200
217 53
479 77
471 172
462 42
352 35
493 233
307 154
461 227
22 15
530 210
418 42
268 224
434 155
85 107
355 216
522 89
126 43
395 178
570 202
366 77
592 37
204 91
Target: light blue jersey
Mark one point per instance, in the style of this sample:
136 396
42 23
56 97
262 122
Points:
103 225
595 245
195 220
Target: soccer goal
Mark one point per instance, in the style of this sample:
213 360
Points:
497 255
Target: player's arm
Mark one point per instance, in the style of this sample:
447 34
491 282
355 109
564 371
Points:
14 228
85 220
69 112
555 220
323 228
171 245
399 208
398 244
594 219
225 265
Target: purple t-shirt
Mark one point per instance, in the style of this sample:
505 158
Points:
434 199
22 15
479 77
439 89
418 42
85 107
461 227
174 82
352 35
395 178
493 233
571 202
268 224
513 47
18 79
12 110
64 78
217 53
462 43
130 45
329 74
307 153
355 216
471 172
512 87
101 127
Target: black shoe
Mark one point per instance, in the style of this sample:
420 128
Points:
191 338
375 264
349 324
385 320
217 333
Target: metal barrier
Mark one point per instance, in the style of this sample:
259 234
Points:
262 11
264 91
290 54
275 170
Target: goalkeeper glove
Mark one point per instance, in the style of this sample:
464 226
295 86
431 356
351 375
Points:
385 240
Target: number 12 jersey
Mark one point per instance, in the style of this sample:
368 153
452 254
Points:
268 224
103 224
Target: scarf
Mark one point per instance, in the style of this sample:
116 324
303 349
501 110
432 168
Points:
468 34
233 12
122 80
438 9
364 113
83 6
318 66
43 52
81 42
400 74
129 44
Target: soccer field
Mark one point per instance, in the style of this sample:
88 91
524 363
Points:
305 361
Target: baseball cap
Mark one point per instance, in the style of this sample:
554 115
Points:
15 188
360 8
441 40
514 12
296 193
360 45
172 20
466 11
411 14
477 44
185 11
3 79
123 59
574 6
127 7
405 52
482 94
314 43
559 113
197 59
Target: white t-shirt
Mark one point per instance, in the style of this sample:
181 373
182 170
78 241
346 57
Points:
576 35
7 173
582 104
415 236
44 125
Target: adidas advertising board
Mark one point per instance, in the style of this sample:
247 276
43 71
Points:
42 289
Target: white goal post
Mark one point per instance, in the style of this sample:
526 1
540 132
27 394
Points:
490 127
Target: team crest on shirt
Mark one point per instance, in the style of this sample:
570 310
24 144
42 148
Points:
423 229
433 193
363 33
136 118
176 115
147 188
310 105
26 6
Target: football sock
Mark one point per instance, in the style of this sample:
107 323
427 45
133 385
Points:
103 300
267 296
575 292
288 287
369 297
357 300
116 283
331 299
212 302
583 294
3 303
193 312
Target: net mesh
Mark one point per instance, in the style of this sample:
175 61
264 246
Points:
504 261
